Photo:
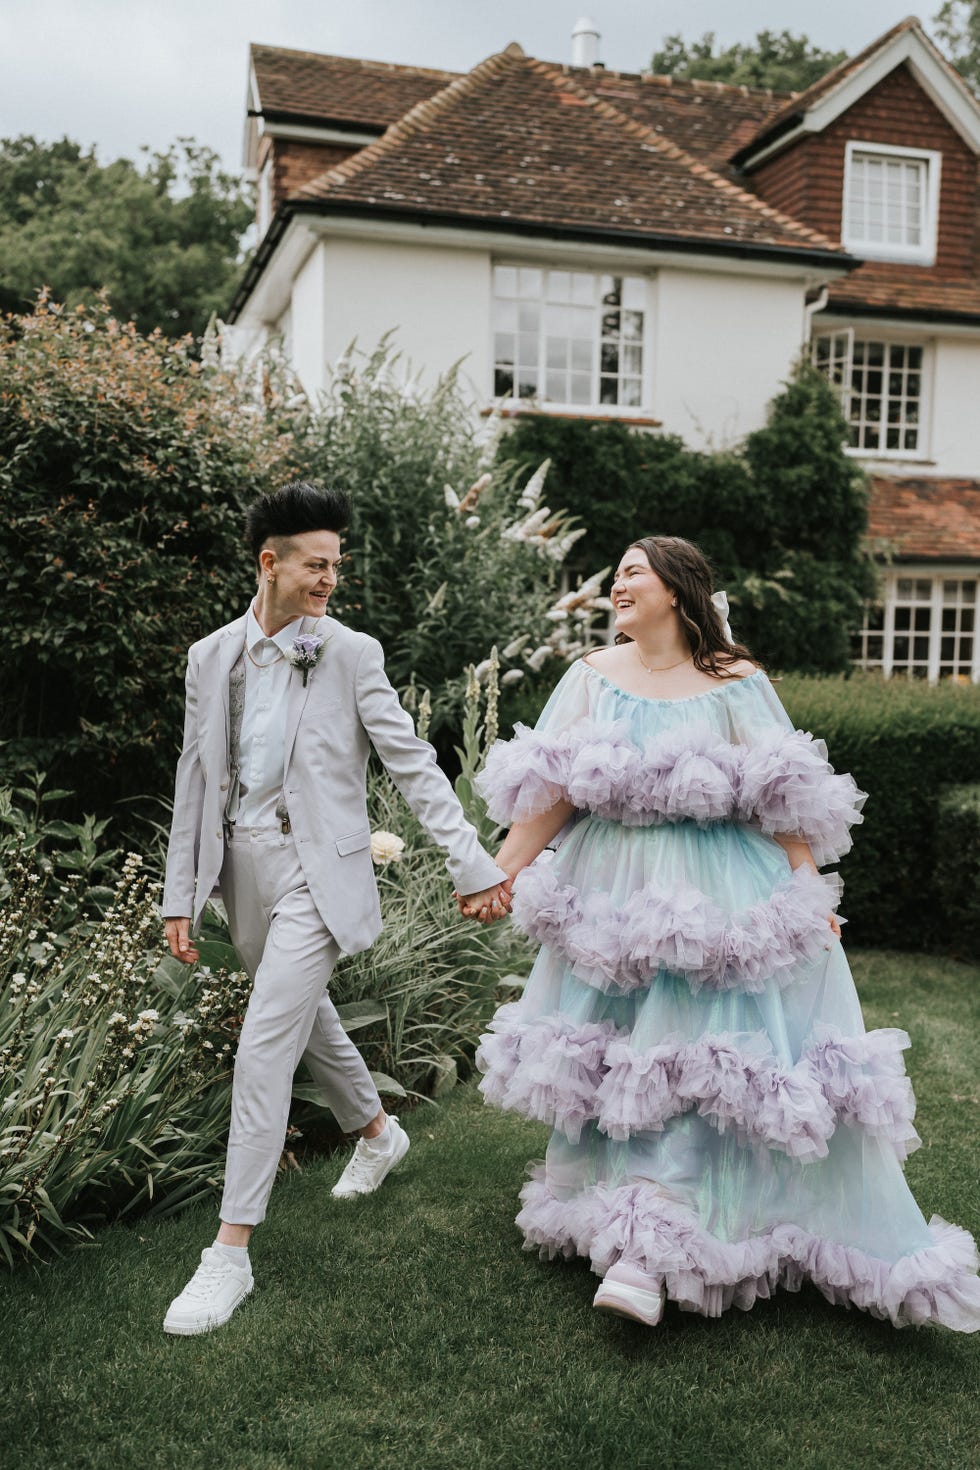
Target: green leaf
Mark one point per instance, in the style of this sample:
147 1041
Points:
384 1083
357 1013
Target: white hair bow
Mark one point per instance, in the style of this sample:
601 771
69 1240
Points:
719 601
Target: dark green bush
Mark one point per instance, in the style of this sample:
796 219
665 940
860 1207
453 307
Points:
904 743
124 470
782 518
958 868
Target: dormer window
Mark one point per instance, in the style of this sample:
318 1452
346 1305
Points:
891 202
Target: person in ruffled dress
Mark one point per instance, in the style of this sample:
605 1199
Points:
723 1122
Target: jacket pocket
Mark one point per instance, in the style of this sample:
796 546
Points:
356 842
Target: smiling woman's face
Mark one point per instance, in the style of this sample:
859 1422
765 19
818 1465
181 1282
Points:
304 575
641 599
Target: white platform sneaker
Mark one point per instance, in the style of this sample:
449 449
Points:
629 1292
209 1298
368 1165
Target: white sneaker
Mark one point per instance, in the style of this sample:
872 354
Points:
369 1166
630 1292
209 1298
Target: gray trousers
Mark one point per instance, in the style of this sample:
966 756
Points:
290 954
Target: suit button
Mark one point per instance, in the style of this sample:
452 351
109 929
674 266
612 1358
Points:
218 834
224 785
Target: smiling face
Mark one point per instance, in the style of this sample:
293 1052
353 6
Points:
298 574
641 599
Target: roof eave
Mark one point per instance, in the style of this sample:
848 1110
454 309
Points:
800 255
317 120
843 306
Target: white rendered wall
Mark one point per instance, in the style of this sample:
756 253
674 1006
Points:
953 446
722 345
435 299
306 316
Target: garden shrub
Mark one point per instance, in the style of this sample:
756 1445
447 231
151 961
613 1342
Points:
904 742
781 518
124 470
958 868
446 555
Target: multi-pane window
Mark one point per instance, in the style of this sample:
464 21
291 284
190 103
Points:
568 339
912 627
881 387
925 628
890 202
957 627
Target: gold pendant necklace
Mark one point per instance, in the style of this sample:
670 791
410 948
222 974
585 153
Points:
666 668
267 665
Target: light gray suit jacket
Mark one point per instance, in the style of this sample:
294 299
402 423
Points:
347 706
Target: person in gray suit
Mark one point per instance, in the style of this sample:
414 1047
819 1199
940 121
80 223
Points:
270 806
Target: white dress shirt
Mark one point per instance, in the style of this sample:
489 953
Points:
262 750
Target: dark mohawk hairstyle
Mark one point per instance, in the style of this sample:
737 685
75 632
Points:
292 509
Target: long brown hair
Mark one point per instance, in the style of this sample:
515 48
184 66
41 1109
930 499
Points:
685 570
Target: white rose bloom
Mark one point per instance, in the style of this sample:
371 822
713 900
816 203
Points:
386 847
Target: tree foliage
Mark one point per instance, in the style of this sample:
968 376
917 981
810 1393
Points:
779 61
781 519
125 466
957 27
163 240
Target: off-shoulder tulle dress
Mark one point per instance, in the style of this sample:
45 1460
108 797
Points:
690 1029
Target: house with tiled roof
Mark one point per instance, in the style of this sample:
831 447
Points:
601 244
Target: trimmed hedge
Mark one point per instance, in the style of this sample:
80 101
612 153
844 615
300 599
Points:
958 868
904 743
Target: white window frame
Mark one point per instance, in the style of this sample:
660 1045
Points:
593 409
849 334
936 604
925 252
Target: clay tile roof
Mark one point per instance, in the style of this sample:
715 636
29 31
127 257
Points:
709 119
800 102
882 288
522 142
926 520
781 119
339 89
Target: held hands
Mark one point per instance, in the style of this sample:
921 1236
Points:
488 905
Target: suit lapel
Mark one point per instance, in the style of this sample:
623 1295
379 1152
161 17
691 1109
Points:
298 694
296 701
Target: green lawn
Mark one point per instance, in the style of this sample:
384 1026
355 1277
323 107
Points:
411 1331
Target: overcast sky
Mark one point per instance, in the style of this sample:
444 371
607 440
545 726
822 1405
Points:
119 73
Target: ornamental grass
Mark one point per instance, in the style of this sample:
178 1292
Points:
113 1064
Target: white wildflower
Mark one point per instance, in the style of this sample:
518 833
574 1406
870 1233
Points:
531 493
471 522
537 658
514 648
512 676
452 499
386 847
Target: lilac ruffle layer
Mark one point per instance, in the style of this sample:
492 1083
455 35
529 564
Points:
936 1285
621 948
566 1076
784 782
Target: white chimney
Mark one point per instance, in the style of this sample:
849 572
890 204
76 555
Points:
585 42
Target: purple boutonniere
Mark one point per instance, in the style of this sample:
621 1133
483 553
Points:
304 654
